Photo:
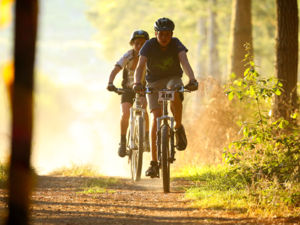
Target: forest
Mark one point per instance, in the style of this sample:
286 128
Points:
242 123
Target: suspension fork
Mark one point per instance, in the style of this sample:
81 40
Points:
165 118
131 144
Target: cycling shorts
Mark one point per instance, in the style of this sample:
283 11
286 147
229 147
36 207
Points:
128 96
160 84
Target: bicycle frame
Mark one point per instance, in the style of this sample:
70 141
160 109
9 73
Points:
136 143
165 134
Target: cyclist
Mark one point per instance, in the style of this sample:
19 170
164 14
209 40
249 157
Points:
163 57
128 63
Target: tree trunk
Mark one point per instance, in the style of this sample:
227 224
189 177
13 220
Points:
241 33
201 61
286 57
20 177
213 58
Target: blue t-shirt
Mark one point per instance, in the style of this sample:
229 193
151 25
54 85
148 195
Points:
162 63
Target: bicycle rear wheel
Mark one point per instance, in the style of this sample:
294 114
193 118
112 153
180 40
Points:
165 158
137 154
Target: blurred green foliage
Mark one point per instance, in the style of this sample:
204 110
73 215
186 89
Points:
116 20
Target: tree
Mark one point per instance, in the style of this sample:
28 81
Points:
20 177
200 62
286 57
213 58
241 33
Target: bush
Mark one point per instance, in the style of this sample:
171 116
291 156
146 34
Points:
267 153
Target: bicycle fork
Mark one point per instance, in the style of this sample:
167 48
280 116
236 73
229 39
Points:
165 120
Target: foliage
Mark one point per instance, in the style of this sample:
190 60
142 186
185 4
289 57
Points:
267 154
221 188
3 174
5 12
117 20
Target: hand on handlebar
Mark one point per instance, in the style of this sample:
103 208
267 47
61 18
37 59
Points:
138 87
111 87
192 85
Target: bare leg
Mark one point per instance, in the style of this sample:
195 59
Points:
176 107
125 113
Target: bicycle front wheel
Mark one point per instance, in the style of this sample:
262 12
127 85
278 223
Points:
137 154
165 158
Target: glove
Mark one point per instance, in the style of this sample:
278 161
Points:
192 85
111 87
138 87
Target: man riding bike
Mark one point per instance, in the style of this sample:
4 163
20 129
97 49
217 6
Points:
163 57
128 63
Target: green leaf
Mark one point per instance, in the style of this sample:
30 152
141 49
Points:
246 71
232 76
252 91
278 92
294 115
230 95
283 124
238 83
245 131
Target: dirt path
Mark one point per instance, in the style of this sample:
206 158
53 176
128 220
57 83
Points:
60 200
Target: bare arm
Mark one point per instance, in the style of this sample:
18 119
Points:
186 65
113 74
140 69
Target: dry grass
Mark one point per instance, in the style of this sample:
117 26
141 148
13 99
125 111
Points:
210 126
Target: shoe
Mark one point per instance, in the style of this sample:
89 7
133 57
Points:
122 149
147 145
153 170
181 141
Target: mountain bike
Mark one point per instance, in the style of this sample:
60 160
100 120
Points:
165 133
136 141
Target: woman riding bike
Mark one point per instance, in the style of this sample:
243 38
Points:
128 63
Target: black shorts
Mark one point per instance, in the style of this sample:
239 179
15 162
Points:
128 96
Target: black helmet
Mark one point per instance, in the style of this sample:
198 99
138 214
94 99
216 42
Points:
164 24
139 34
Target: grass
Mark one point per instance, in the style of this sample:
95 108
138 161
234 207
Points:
99 185
217 188
96 184
76 171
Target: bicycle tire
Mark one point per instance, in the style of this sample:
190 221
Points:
140 146
165 158
137 154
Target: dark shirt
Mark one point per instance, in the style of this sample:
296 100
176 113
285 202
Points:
162 63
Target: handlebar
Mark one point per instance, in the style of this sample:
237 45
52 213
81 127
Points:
180 89
149 90
119 91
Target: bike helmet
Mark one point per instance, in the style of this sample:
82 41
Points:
164 24
139 34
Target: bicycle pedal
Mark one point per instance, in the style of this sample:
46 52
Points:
171 160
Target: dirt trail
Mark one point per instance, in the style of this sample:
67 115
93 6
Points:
60 200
